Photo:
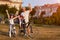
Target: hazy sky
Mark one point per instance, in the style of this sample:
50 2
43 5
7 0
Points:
39 2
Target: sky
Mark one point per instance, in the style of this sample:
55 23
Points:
39 2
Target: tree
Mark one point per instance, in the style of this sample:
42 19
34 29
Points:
3 8
12 10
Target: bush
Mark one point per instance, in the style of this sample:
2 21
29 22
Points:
53 20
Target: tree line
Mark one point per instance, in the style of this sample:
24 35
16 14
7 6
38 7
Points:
52 20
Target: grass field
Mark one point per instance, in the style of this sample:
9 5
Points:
39 33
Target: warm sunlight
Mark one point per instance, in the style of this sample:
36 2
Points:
16 0
29 19
58 1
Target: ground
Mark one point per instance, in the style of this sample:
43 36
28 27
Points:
39 33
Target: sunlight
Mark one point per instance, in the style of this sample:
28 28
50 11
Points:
58 1
16 0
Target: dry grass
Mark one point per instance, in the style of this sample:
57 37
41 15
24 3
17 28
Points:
40 33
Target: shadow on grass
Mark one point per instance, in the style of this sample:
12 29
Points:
46 26
3 33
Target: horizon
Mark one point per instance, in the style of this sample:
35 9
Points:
39 2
